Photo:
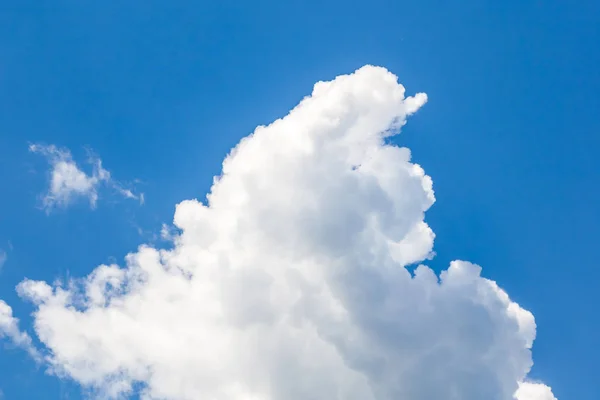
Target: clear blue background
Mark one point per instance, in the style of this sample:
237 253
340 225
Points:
162 90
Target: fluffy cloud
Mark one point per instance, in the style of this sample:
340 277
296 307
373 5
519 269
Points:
68 181
289 282
534 391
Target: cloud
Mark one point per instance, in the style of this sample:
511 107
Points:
68 182
534 391
9 327
289 281
3 258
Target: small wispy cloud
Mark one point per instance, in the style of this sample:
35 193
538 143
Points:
69 182
9 328
3 258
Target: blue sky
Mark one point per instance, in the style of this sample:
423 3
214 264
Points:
161 91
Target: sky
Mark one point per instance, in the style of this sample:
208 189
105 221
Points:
299 278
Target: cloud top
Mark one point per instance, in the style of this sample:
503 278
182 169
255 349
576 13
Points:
289 282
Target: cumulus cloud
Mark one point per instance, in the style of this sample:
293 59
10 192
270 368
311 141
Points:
534 391
68 182
289 282
9 327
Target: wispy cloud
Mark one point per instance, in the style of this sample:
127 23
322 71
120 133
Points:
9 327
69 182
3 258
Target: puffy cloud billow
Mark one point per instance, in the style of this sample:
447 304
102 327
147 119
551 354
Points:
289 282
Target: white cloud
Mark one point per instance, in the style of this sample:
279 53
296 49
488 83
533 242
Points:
9 327
289 283
3 258
68 181
534 391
